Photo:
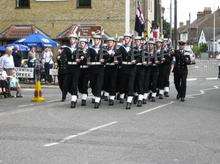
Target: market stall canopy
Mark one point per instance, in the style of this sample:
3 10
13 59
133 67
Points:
37 40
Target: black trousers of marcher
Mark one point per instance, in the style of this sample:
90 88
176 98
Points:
167 69
154 72
161 76
139 80
180 82
71 81
96 73
83 80
126 80
146 79
218 71
110 79
61 80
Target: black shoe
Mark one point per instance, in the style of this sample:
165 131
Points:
96 105
144 101
19 96
93 100
160 96
111 102
177 97
166 94
182 99
63 97
139 103
105 98
135 99
73 104
153 99
83 103
121 101
128 106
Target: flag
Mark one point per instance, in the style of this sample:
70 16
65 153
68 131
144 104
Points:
139 20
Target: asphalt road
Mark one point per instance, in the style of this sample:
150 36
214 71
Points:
164 132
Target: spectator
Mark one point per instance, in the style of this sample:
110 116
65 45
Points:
14 84
3 83
48 64
7 61
31 59
17 55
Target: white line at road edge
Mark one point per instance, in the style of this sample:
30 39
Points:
158 107
80 134
212 78
192 79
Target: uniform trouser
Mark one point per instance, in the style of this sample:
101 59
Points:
219 70
96 76
161 77
146 79
139 80
180 83
126 80
83 81
154 72
61 80
167 69
110 79
71 81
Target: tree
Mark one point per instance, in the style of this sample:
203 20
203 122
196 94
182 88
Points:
166 29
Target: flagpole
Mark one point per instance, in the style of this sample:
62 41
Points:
127 16
214 34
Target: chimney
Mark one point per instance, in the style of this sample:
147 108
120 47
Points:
181 24
200 14
207 11
188 23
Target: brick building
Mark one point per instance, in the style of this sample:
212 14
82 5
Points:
54 16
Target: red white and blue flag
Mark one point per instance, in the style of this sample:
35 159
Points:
139 20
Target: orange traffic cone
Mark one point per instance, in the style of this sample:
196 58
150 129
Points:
38 93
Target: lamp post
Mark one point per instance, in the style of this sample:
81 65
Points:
175 24
127 16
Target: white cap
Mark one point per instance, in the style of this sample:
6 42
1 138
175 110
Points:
83 40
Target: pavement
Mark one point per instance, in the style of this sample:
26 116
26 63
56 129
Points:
164 132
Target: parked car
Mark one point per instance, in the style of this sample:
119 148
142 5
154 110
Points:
189 52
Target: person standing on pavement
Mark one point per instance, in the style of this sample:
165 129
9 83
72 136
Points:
48 63
17 56
180 70
72 70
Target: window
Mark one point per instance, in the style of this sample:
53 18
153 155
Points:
83 3
22 3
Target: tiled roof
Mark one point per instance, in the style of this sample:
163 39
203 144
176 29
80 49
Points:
19 31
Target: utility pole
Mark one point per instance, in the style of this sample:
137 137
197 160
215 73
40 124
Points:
175 24
171 17
127 16
214 34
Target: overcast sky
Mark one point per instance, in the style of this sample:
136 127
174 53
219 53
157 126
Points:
189 6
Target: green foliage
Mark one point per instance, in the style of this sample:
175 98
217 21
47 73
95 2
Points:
198 49
166 29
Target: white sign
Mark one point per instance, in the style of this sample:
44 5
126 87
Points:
202 38
24 72
53 72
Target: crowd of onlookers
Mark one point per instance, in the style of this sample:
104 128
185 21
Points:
42 62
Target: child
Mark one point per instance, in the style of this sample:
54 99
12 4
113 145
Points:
3 83
14 84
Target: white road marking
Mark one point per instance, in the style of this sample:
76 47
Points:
216 87
192 79
80 134
202 92
152 109
211 78
51 144
25 110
